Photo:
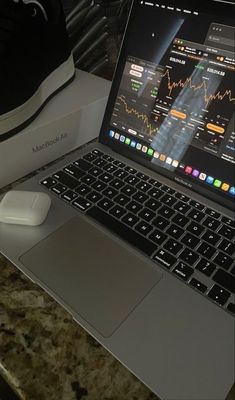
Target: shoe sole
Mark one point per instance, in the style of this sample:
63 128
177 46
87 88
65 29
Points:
16 120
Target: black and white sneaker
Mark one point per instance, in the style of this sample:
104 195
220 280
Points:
35 60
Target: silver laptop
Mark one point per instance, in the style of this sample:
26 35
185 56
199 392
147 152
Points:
138 245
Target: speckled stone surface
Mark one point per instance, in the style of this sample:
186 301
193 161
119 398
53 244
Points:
45 355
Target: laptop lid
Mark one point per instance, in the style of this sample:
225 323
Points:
171 106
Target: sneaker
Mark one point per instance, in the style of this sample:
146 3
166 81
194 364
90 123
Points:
35 60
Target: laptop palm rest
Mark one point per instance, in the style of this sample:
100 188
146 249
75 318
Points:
96 276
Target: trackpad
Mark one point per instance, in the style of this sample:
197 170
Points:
95 275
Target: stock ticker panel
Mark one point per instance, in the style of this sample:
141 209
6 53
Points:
192 94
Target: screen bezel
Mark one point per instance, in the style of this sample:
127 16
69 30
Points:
223 8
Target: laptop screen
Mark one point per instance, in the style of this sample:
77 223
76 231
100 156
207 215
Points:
172 100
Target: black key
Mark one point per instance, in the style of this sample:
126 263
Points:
69 195
211 237
182 197
206 250
164 258
117 183
144 228
168 190
168 200
117 211
94 196
225 279
198 285
134 207
98 185
211 223
83 189
233 270
106 177
147 214
107 157
131 180
183 271
130 219
155 183
195 228
74 171
97 152
121 199
130 170
189 256
82 164
88 179
152 204
196 215
182 207
231 308
212 213
140 197
105 204
160 222
48 182
227 247
142 176
228 221
95 171
180 220
156 193
110 168
206 267
197 205
100 163
126 233
128 190
166 212
110 192
66 179
157 237
222 260
119 163
173 246
81 203
190 240
227 232
59 188
90 157
144 186
120 173
175 231
219 295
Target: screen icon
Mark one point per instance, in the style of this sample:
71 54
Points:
202 176
175 163
188 170
156 154
225 187
138 146
122 138
217 183
169 160
162 157
117 136
232 191
195 173
111 134
144 149
133 143
150 152
128 141
210 180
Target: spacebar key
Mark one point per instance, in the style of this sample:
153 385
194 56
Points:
122 230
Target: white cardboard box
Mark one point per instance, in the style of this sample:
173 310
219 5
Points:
72 118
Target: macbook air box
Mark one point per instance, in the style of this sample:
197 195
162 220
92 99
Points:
64 124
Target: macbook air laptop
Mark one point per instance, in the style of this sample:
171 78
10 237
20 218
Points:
138 245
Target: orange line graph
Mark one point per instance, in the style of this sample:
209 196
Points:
140 116
188 82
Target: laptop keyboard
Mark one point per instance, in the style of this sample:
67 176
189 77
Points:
193 242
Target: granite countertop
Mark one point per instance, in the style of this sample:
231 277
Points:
45 355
